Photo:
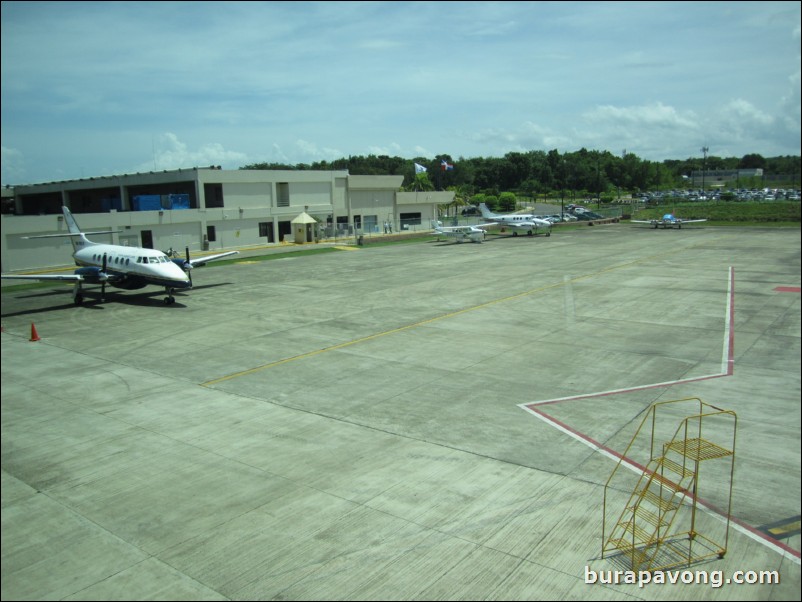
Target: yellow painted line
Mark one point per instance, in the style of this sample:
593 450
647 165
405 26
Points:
786 528
435 319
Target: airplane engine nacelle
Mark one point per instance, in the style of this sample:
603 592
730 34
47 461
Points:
91 274
181 263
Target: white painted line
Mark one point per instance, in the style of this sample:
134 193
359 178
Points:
727 363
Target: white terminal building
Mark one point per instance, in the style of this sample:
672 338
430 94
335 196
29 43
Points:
208 209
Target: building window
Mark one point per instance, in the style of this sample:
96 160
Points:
211 234
283 194
410 219
213 194
266 230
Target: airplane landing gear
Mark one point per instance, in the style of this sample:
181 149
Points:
77 294
169 299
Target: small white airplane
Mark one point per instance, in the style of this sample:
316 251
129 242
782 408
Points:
127 268
667 221
517 221
461 233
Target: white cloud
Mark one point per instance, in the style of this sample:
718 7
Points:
651 115
13 165
312 152
297 82
171 153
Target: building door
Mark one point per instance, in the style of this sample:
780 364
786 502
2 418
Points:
147 239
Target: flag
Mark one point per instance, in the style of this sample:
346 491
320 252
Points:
446 166
419 168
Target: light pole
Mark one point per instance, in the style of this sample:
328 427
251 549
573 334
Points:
704 167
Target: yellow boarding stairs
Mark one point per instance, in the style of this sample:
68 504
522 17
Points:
652 531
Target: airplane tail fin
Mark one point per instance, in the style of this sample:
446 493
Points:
77 238
486 213
72 226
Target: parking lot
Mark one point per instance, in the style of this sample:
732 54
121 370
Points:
369 423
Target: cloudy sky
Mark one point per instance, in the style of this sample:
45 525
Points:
102 88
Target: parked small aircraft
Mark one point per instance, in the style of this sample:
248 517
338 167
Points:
461 233
127 268
669 220
517 221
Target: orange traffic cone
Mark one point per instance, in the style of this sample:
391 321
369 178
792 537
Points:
34 334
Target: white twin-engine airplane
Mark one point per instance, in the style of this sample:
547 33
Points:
127 268
667 221
460 233
517 221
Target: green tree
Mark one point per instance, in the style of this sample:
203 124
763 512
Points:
507 201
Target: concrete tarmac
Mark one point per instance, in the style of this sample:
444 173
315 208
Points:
415 421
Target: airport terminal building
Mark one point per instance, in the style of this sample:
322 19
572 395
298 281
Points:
208 209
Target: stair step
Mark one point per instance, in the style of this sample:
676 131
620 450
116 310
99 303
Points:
656 520
698 449
641 535
663 503
683 471
636 555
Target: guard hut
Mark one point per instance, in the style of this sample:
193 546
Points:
302 228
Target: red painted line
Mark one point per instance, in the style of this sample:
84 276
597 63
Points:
729 341
788 289
640 468
588 439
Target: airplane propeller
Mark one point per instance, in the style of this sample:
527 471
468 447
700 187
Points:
188 267
103 276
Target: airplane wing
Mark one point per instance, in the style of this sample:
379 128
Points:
66 277
691 221
643 221
530 224
459 229
202 260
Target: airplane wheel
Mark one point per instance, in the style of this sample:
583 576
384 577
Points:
78 300
548 234
515 234
169 300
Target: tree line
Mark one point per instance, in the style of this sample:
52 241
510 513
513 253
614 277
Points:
534 173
